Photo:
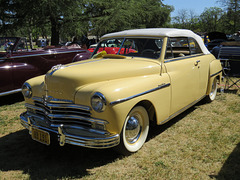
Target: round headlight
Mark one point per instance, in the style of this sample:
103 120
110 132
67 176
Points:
27 90
98 102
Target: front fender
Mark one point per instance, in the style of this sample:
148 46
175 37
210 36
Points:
37 85
131 91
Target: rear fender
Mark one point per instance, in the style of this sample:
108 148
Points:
215 71
82 56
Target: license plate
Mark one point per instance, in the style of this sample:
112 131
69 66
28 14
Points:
40 136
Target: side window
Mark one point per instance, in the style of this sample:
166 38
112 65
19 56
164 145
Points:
177 47
194 46
22 45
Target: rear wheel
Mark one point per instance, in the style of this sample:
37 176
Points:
135 131
213 93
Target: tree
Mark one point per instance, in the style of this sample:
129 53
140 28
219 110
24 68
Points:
62 15
66 18
232 14
111 15
186 19
210 18
151 13
181 20
41 16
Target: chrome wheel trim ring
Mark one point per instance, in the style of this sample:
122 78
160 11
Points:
213 92
133 129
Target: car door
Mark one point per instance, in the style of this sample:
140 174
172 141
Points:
65 56
6 79
203 65
183 70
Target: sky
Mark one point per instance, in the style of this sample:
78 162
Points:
197 6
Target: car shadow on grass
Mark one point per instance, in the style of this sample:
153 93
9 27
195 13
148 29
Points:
11 99
19 152
155 130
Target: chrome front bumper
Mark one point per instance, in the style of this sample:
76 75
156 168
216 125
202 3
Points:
75 135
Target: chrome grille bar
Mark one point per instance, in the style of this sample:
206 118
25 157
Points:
64 112
69 109
63 115
60 104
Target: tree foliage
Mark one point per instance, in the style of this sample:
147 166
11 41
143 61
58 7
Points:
231 16
210 19
64 19
108 16
42 17
225 19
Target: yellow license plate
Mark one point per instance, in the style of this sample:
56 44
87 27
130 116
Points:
41 136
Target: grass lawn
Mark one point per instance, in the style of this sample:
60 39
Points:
201 143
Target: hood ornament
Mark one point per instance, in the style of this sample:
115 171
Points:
47 99
55 68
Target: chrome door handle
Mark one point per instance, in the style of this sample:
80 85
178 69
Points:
196 63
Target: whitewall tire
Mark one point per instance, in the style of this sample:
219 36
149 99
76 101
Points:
135 131
213 93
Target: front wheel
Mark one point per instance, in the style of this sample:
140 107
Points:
213 93
135 131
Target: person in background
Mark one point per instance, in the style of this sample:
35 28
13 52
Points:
236 36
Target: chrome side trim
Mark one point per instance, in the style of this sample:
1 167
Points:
52 53
183 58
65 52
140 94
10 92
31 55
182 110
215 73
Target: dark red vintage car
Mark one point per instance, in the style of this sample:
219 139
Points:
18 63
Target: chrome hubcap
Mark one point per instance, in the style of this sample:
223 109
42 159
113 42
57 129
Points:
133 129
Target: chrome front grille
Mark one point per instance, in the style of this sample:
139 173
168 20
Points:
57 111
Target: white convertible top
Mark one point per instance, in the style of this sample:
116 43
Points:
159 32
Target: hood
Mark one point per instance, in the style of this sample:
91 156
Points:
63 81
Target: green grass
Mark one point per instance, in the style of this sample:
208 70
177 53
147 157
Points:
201 143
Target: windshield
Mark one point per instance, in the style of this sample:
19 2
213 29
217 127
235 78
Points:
6 44
133 47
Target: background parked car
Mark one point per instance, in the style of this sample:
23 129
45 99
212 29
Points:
18 63
216 38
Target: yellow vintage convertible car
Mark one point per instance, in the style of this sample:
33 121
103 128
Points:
110 99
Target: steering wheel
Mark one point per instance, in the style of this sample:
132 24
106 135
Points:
148 50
